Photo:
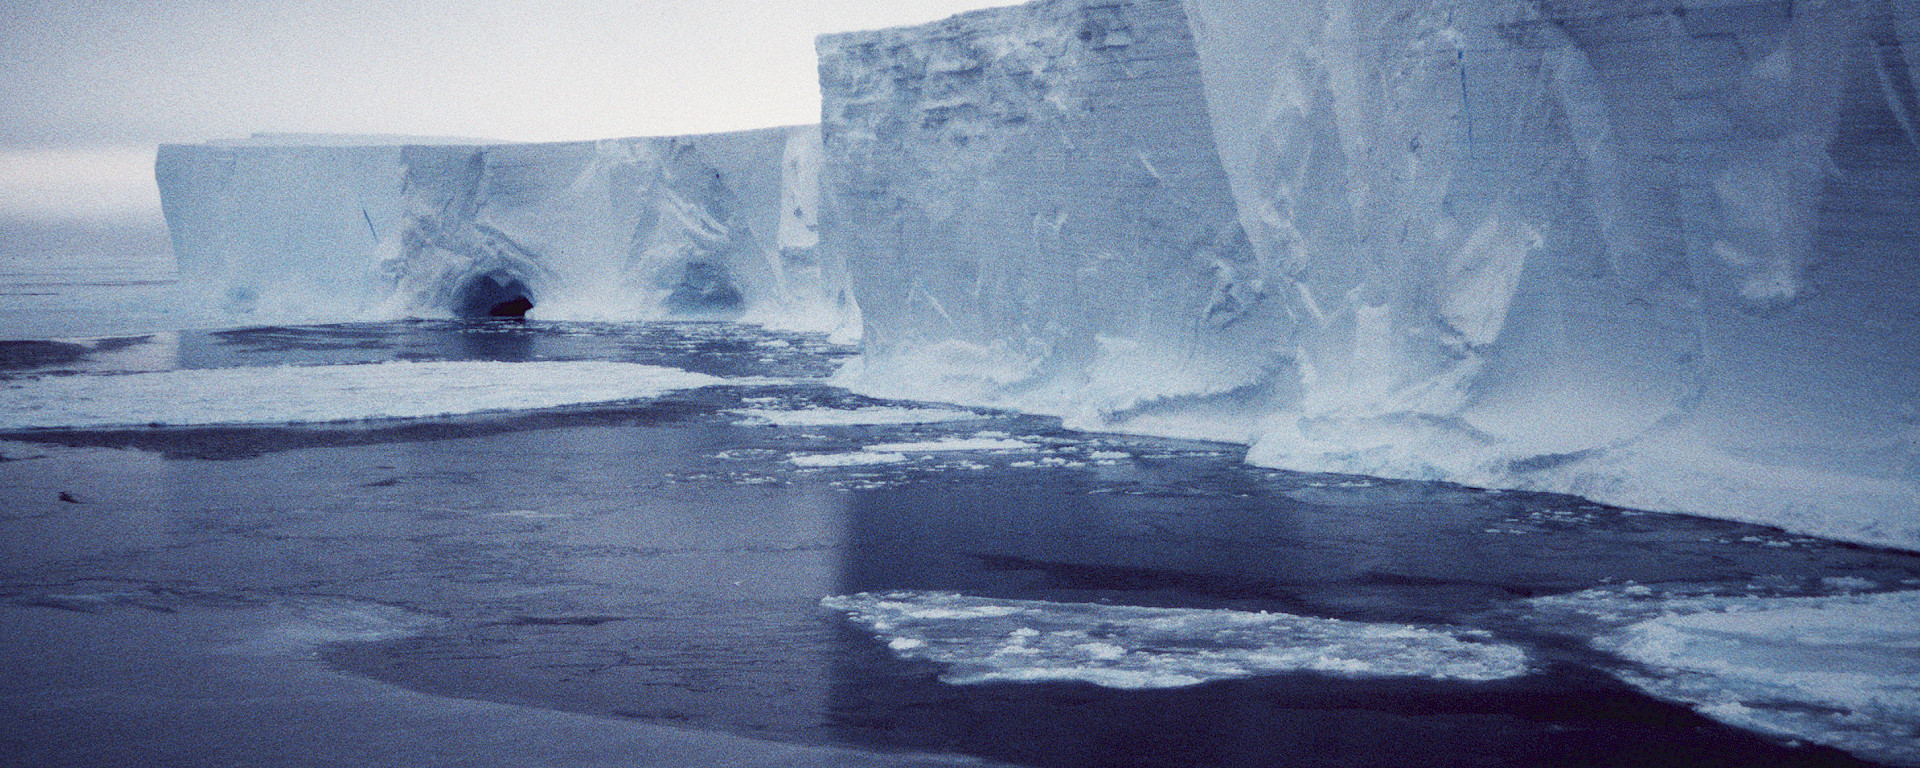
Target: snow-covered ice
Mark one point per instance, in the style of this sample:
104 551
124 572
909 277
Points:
993 640
326 393
1840 670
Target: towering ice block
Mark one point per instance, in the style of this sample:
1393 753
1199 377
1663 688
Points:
1657 254
334 229
1032 209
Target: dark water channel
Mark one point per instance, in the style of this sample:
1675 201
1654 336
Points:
665 560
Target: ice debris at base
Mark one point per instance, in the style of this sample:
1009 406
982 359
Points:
984 640
817 417
326 393
1843 671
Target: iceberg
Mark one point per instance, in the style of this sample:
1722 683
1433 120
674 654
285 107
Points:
311 228
1654 255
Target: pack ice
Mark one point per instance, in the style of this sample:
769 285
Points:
1655 254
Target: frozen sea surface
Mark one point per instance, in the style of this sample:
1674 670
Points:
662 561
327 393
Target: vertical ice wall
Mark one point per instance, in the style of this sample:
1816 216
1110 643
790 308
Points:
1033 213
282 231
1660 254
275 231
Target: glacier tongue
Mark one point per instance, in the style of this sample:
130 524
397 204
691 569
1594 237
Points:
305 229
1656 255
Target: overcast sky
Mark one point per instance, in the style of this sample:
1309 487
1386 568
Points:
88 88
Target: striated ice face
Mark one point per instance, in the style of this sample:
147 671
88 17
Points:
983 640
1660 258
720 226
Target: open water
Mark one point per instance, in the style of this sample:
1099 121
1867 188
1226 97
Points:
665 561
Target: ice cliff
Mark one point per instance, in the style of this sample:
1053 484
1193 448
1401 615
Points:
1655 254
306 228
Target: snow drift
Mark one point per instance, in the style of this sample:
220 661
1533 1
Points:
1659 255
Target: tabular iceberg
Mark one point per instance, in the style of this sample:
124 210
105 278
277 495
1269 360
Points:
1659 255
281 229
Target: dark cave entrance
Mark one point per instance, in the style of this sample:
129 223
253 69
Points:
493 294
704 289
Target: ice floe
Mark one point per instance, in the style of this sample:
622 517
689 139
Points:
1839 671
815 417
326 393
1843 671
984 639
956 444
854 459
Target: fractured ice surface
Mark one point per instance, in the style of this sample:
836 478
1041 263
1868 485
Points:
857 416
325 393
987 640
306 229
1660 255
1842 671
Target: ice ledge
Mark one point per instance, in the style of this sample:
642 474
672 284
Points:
1672 470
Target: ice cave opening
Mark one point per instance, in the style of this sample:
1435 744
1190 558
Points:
705 288
493 294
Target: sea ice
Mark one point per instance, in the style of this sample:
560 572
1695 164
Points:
815 417
956 444
326 393
1843 670
1840 671
854 459
992 640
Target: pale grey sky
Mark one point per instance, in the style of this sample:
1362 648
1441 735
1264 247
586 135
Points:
89 87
